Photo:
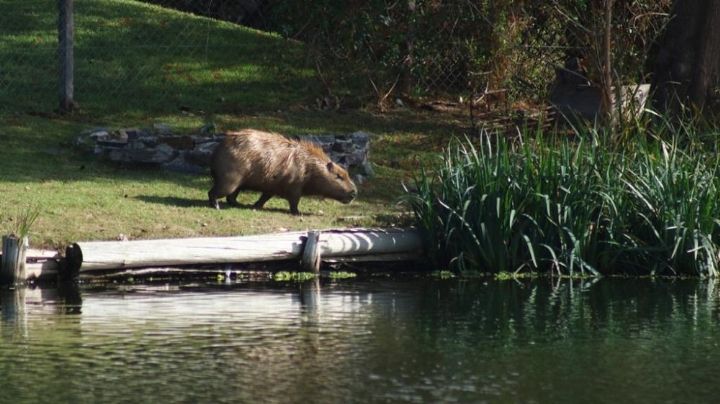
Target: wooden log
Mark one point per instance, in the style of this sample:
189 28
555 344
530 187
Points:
311 252
85 257
12 270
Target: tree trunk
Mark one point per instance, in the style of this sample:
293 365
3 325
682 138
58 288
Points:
607 82
408 48
708 58
688 60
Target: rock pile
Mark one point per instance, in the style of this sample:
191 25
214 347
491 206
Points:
158 146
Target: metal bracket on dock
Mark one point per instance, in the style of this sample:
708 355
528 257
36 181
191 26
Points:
311 253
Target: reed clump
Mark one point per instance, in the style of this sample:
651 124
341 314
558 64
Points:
587 206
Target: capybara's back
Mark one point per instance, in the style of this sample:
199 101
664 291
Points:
276 166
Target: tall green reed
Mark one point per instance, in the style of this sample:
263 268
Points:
571 207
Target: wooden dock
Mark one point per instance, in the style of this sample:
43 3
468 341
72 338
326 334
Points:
141 256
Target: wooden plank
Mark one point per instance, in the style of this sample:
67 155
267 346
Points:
107 255
36 254
103 255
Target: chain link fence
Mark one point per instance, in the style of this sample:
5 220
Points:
142 56
525 72
138 57
28 50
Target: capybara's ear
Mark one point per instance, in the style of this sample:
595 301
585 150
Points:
330 166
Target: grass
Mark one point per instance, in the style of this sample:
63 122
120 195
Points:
138 64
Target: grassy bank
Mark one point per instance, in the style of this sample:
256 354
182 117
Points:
580 207
138 65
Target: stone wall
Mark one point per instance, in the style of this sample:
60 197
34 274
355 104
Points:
159 146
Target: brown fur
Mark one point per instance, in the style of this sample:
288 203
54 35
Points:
276 166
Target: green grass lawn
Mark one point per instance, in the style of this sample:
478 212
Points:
137 65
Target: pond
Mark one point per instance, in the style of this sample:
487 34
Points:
408 339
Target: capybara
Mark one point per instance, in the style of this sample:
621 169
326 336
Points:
276 166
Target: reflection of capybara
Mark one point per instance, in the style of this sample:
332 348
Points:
276 166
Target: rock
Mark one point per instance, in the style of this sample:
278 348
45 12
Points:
342 146
89 132
367 169
116 155
132 133
342 160
99 134
360 138
157 155
113 139
146 141
192 154
178 142
324 139
162 129
200 155
180 164
357 157
208 129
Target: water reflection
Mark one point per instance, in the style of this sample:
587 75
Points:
378 340
17 305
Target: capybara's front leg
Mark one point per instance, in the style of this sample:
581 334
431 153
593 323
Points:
232 198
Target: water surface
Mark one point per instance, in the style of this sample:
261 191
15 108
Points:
404 340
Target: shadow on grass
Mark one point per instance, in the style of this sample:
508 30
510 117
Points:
196 203
174 201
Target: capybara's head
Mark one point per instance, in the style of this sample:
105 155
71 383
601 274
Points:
333 181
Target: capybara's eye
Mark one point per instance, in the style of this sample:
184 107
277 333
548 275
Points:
339 177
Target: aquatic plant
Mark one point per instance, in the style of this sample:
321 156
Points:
284 276
341 275
23 221
572 207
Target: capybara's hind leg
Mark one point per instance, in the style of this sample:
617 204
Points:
261 202
212 198
219 190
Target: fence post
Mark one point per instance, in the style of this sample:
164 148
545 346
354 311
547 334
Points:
66 37
14 250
